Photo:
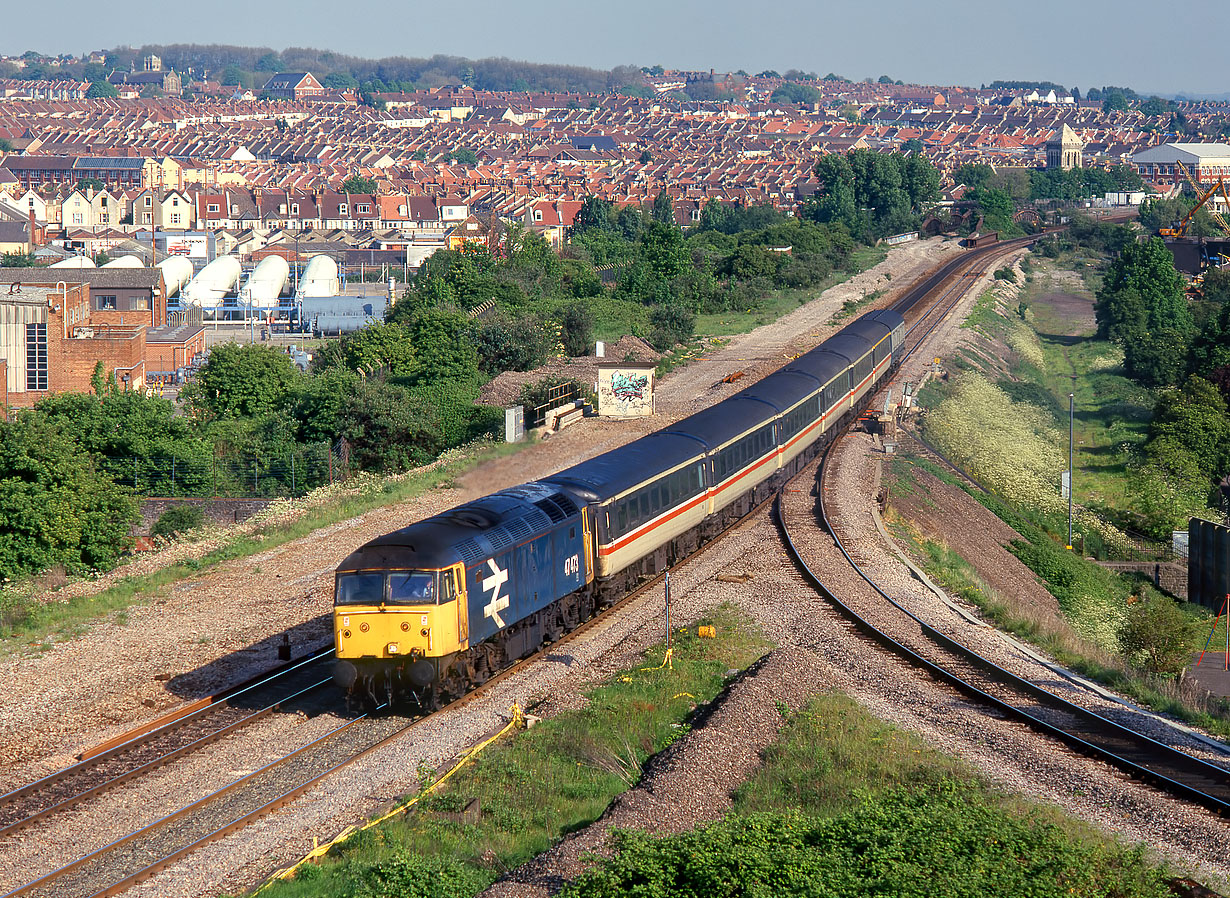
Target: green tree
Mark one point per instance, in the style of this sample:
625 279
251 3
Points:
973 174
232 75
86 184
1158 636
465 156
1148 269
1190 432
243 380
442 346
389 428
370 350
508 342
56 506
1157 357
177 520
798 94
997 210
1114 101
670 323
359 184
101 89
663 208
595 214
270 62
339 81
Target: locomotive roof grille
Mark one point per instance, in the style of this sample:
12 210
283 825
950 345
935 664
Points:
569 507
552 509
499 538
470 551
519 528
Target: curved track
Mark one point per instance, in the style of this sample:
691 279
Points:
876 612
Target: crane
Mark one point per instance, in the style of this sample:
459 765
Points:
1180 229
1220 187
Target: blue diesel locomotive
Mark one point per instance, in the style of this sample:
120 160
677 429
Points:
426 612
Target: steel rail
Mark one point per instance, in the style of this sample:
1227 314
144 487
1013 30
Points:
116 750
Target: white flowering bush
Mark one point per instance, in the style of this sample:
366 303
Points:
1110 360
1013 449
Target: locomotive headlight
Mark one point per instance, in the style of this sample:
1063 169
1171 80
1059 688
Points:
392 648
424 631
363 627
405 626
345 634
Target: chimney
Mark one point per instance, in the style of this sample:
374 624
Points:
34 234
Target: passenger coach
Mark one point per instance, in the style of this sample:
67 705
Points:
435 607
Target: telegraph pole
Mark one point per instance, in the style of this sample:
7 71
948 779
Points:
1071 418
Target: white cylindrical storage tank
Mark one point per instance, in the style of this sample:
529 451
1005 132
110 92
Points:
265 284
128 261
216 280
319 278
176 271
74 262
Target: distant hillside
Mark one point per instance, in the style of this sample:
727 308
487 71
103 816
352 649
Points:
252 66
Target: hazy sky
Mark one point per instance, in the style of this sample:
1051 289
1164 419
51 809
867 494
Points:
1150 46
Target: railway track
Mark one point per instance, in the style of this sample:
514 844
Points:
162 741
878 615
139 855
895 627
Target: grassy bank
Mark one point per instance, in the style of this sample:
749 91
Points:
1094 601
845 804
523 794
782 302
29 618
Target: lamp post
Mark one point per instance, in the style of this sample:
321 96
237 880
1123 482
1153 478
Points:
1071 418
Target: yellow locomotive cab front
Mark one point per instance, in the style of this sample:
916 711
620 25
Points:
397 624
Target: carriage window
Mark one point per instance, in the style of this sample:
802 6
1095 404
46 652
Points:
360 589
412 588
448 586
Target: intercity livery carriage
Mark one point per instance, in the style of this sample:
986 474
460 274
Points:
425 612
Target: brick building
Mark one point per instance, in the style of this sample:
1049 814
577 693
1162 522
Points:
50 344
123 297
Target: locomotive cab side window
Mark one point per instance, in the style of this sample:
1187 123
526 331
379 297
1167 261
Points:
360 589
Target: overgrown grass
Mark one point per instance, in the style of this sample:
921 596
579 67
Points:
28 619
847 805
527 792
1112 413
782 302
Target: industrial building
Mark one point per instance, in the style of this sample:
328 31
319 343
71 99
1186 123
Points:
1207 163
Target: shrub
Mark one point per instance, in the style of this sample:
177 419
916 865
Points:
670 324
576 331
177 520
1157 635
